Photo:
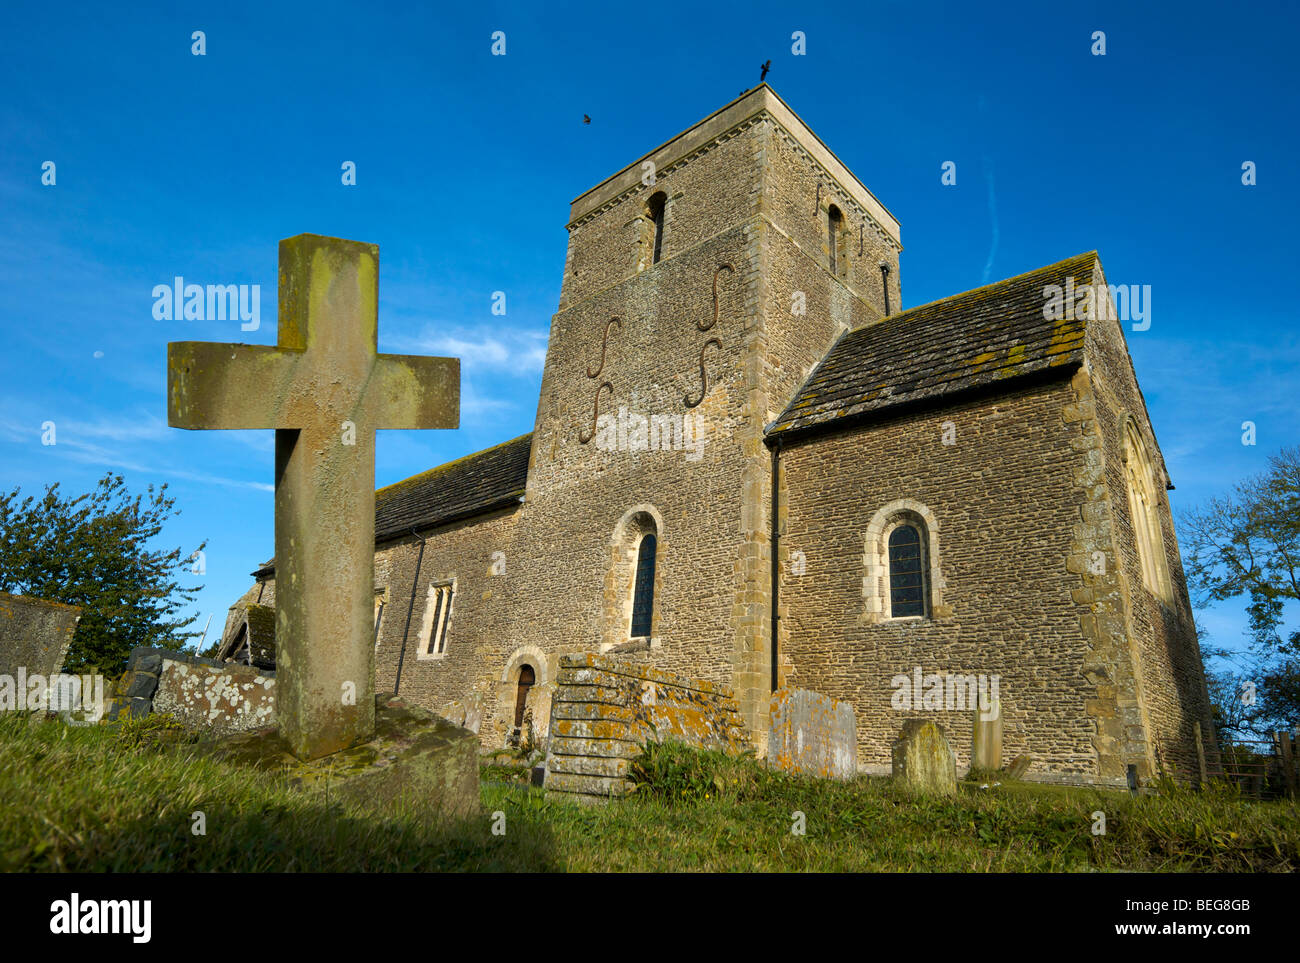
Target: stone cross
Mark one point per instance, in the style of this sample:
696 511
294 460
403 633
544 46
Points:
324 389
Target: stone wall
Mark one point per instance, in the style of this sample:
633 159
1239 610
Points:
479 636
1001 505
202 694
35 634
606 709
1171 671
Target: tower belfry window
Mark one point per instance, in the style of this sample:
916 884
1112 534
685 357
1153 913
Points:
655 208
834 221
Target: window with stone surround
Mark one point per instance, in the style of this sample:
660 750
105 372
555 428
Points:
381 597
437 618
1144 510
628 614
902 579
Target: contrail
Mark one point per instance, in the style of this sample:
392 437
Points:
993 216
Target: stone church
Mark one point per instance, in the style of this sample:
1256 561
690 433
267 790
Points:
750 464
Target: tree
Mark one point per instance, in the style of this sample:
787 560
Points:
92 550
1247 544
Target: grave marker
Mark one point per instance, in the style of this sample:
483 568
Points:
325 389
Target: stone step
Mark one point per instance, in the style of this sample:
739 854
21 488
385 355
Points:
593 729
587 766
593 711
603 786
570 746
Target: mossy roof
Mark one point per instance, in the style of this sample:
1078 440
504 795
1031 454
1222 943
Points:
459 489
473 485
997 333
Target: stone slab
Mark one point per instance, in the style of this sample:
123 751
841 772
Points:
231 698
812 734
35 634
414 761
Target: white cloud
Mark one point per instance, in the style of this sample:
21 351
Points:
512 351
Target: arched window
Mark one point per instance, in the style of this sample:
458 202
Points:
643 592
1145 512
902 577
906 572
834 221
655 210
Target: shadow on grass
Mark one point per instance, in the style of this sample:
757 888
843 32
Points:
307 837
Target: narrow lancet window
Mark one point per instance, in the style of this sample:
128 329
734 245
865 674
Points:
656 210
643 592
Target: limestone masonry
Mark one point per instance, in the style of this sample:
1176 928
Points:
752 468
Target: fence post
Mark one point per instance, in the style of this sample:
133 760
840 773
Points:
1288 761
1200 754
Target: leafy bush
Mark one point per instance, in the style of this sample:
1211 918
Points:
677 773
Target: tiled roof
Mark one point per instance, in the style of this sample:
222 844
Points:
478 483
459 489
970 340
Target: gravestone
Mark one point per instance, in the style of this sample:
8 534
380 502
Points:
812 734
325 390
986 738
1019 766
923 760
35 635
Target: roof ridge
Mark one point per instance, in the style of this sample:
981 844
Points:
982 287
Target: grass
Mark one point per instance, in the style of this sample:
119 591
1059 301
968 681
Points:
98 799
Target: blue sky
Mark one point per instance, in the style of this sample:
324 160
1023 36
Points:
173 164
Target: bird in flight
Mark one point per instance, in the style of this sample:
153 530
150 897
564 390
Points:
766 67
586 119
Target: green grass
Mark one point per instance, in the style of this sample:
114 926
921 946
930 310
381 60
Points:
97 799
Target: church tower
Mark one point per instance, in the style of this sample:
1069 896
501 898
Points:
702 284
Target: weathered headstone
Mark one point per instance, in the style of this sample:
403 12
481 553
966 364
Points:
923 760
1019 766
325 390
35 635
813 734
986 738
